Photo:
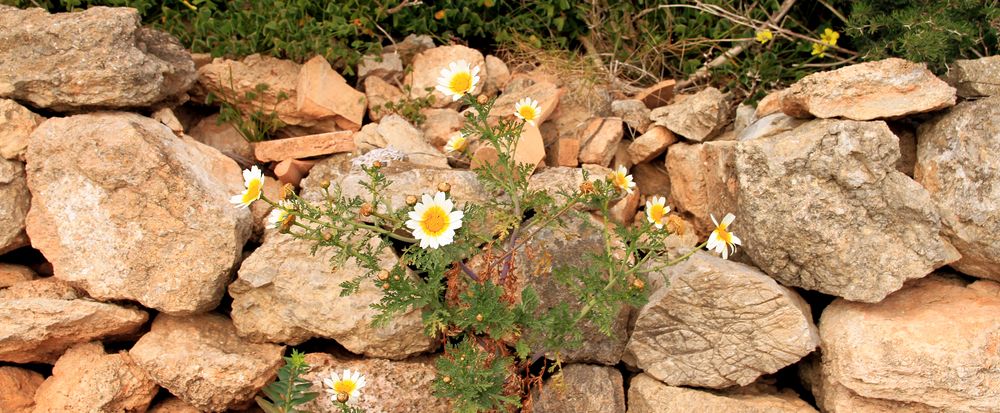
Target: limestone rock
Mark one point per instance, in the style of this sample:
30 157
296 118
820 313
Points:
304 146
427 67
563 179
931 345
378 93
16 124
231 80
889 88
660 94
958 161
390 386
387 66
440 125
497 75
11 274
770 104
173 405
651 179
972 78
42 318
599 141
633 112
546 93
769 125
202 360
822 207
651 144
223 137
410 47
699 117
720 324
152 209
321 93
563 152
399 134
88 379
17 389
96 58
583 388
15 201
744 117
646 395
286 294
703 181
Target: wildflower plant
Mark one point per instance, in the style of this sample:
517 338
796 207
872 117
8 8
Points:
461 261
290 390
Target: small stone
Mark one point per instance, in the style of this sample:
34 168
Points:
563 179
440 125
11 274
699 117
399 134
530 149
16 124
582 388
17 389
378 93
651 144
224 137
427 67
291 171
633 112
203 361
304 146
623 211
564 152
622 157
647 395
15 202
599 141
651 179
321 92
88 379
410 47
168 119
744 117
497 75
231 80
547 94
387 66
889 88
657 95
403 386
975 78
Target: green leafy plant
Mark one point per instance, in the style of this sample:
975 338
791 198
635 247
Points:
409 107
260 123
290 390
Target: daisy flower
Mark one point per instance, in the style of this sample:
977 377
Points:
764 36
458 79
622 179
433 222
456 143
346 387
527 110
656 211
279 214
721 240
253 180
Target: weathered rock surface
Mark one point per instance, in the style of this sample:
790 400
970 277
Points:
440 125
583 388
15 201
203 361
173 405
286 294
224 137
822 207
703 181
599 141
42 318
546 93
304 146
88 379
973 78
378 93
16 124
387 66
390 386
399 134
96 58
646 395
720 324
657 95
152 209
769 125
889 88
322 93
11 274
651 179
427 67
497 75
17 389
958 161
698 118
931 346
633 112
651 144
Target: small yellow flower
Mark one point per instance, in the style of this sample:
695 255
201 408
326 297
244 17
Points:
829 37
433 222
439 15
764 36
456 143
622 179
819 49
656 211
458 79
722 241
344 387
253 180
279 214
527 110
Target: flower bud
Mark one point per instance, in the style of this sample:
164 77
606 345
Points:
325 183
444 187
385 286
587 187
377 164
482 99
366 209
287 191
411 200
479 317
343 397
638 284
383 275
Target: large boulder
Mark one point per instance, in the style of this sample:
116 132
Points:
88 379
958 161
718 324
40 319
96 58
390 386
646 395
822 207
889 88
17 389
582 388
931 346
202 360
15 200
152 210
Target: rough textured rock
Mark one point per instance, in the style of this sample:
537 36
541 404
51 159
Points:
42 318
286 294
770 104
388 66
202 360
11 274
96 58
972 78
152 209
889 88
583 388
440 125
822 207
646 395
427 67
699 117
651 144
720 324
304 146
88 379
230 80
657 95
633 112
958 161
564 179
16 124
546 93
323 93
224 137
651 179
599 141
173 405
497 75
769 125
703 181
15 201
931 345
378 93
17 389
390 386
399 134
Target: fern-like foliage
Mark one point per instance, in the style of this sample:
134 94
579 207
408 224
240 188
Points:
290 390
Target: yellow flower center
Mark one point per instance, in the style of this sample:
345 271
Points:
657 213
253 191
460 82
619 179
345 386
724 235
434 221
527 112
458 144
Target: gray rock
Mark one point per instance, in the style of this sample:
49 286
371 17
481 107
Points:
699 117
15 200
822 207
400 135
96 58
958 161
646 395
769 125
582 388
633 112
974 78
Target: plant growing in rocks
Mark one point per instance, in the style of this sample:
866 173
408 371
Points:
255 126
290 390
466 265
